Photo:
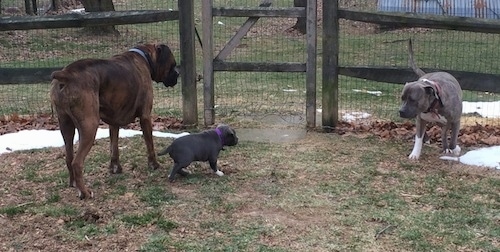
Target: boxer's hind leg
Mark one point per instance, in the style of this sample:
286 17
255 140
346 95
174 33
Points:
67 128
114 165
87 129
147 132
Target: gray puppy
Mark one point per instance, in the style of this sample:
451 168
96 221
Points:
434 97
204 146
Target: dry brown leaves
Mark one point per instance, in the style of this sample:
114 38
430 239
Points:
475 135
14 123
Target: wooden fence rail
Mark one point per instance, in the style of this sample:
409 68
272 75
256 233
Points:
86 19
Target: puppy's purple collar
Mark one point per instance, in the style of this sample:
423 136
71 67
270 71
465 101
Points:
219 133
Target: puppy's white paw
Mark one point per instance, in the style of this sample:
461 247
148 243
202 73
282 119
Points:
186 171
219 173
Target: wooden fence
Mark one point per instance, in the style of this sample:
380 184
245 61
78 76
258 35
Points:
218 63
331 33
185 15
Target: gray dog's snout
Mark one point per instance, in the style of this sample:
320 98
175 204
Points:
405 114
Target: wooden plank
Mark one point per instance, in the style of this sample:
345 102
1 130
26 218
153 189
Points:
311 64
292 12
208 55
259 67
188 63
85 20
468 80
426 21
236 39
330 68
26 75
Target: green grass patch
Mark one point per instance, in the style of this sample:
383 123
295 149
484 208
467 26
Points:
149 218
156 196
13 210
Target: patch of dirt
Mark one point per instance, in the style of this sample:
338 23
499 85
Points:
262 193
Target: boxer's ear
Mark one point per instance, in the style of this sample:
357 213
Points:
59 75
163 54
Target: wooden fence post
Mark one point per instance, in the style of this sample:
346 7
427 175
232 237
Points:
208 66
188 63
330 71
311 63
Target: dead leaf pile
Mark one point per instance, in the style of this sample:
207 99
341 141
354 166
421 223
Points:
14 123
474 135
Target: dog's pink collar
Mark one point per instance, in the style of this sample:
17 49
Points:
219 133
146 56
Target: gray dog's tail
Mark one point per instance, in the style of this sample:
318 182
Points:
165 151
411 61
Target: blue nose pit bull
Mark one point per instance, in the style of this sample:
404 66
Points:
434 97
204 146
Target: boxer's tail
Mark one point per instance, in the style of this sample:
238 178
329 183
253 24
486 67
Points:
62 77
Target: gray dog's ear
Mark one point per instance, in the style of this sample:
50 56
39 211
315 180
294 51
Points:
429 90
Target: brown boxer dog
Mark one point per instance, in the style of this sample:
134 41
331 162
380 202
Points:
116 90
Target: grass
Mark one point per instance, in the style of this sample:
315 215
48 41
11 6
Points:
323 193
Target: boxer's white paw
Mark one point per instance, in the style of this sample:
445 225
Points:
115 168
80 194
219 173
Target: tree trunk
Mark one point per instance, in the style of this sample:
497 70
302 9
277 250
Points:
97 6
300 25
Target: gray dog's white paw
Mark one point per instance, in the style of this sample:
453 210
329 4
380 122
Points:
455 152
219 173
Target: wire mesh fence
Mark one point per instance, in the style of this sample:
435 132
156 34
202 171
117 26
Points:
59 47
258 94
